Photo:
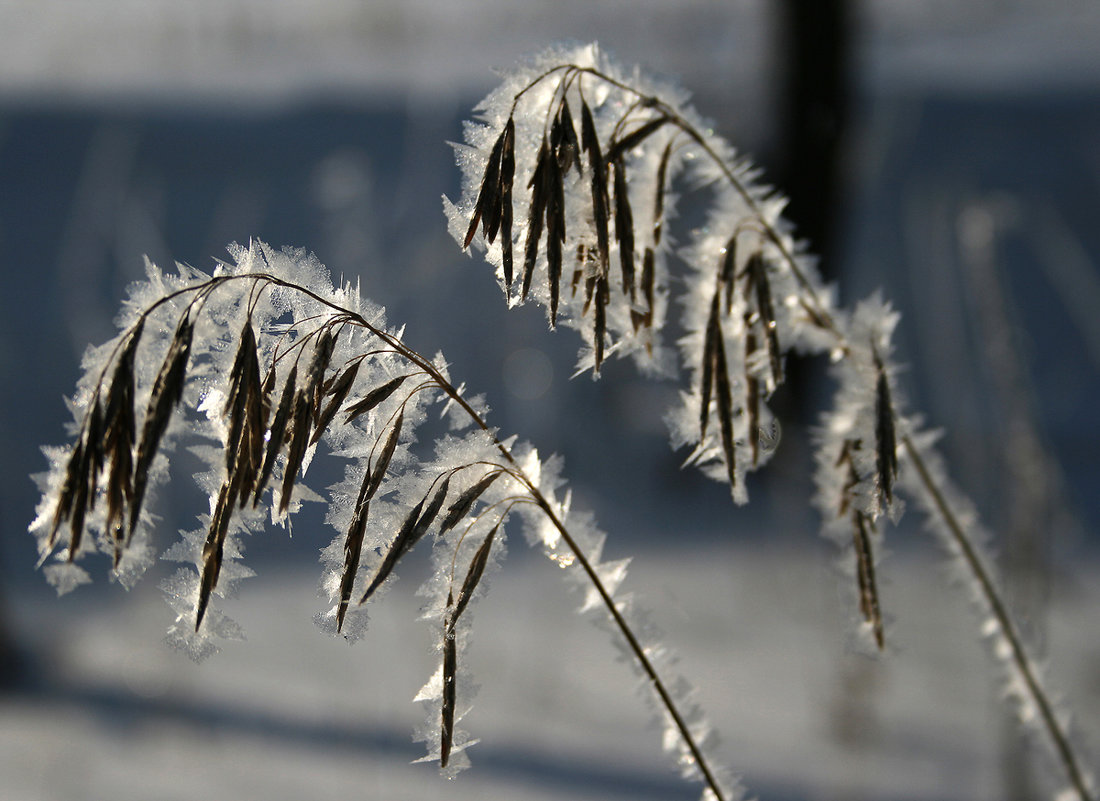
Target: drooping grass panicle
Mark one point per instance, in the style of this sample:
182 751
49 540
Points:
207 353
750 296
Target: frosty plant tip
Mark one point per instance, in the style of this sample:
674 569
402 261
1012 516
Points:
263 366
571 175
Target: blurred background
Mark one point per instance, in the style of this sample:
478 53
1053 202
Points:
946 153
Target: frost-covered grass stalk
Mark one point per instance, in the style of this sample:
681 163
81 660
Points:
571 174
264 364
256 368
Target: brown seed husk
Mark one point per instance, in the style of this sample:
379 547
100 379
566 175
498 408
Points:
166 395
447 713
624 228
886 449
299 441
277 434
338 393
865 574
465 501
375 397
473 577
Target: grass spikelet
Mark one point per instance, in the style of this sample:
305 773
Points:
886 447
213 548
404 541
865 576
447 712
711 343
244 407
591 144
166 394
487 208
757 271
375 397
555 233
567 147
473 577
540 196
338 393
118 439
723 394
465 501
314 385
299 441
507 176
627 143
659 200
624 228
599 320
353 547
277 433
752 398
378 472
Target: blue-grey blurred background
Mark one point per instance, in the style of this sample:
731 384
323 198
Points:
946 153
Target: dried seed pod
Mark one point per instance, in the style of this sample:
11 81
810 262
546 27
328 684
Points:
540 196
426 519
315 377
379 471
338 392
624 228
724 396
555 234
473 577
166 394
447 713
488 199
375 397
757 270
507 175
600 204
299 441
627 143
402 543
599 323
728 269
353 547
119 437
865 576
886 449
752 398
647 281
277 433
417 522
659 200
465 501
566 145
711 342
213 548
243 406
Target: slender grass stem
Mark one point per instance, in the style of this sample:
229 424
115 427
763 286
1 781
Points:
990 596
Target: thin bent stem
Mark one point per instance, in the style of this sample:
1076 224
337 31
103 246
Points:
544 504
636 648
996 606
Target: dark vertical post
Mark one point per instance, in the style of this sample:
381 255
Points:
815 48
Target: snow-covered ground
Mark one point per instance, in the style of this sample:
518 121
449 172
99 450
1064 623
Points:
291 714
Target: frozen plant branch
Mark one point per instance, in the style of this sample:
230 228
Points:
264 361
596 255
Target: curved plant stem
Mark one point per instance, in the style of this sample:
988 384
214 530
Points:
1020 659
544 504
813 303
